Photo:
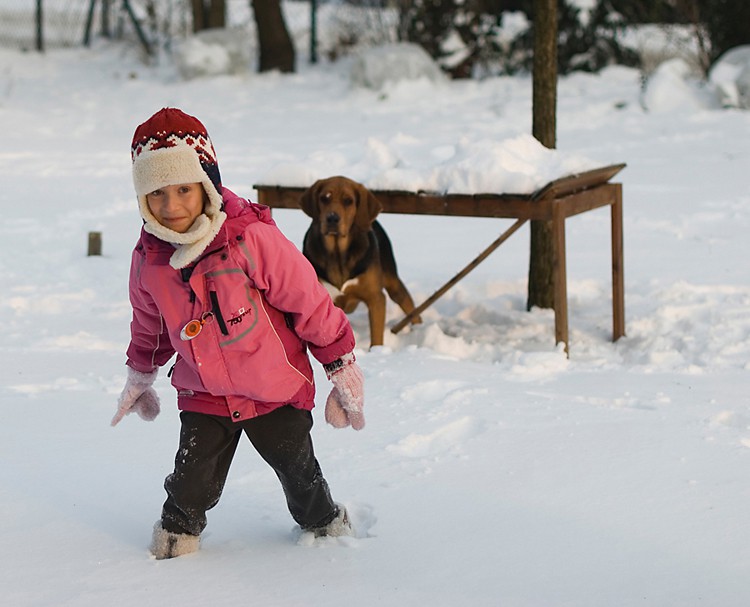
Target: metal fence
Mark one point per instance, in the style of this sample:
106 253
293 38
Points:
49 24
35 24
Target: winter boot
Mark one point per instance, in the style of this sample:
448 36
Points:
340 525
167 545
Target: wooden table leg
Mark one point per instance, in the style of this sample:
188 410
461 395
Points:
560 275
618 274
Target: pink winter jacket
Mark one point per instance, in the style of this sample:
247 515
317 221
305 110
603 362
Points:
262 306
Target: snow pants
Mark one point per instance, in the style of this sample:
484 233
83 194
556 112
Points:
207 447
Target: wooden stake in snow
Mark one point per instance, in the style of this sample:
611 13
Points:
95 243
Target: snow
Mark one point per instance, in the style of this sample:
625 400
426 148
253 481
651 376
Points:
493 469
518 165
376 66
730 75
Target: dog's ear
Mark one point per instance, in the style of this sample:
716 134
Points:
308 202
368 208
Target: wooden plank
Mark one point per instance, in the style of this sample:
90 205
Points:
279 197
585 200
420 203
577 182
456 205
508 206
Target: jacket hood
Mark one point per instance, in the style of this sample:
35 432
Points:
235 206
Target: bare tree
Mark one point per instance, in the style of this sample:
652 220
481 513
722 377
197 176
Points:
276 47
544 109
208 14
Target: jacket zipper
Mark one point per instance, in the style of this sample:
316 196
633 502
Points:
186 273
217 312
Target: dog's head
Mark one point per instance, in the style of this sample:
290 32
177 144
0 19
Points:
339 205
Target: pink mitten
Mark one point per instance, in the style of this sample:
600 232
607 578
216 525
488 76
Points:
147 405
346 401
138 395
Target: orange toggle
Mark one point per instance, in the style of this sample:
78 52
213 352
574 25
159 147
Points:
191 330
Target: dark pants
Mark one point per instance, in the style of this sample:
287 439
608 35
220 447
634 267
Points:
207 446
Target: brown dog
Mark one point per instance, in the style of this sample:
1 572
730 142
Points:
351 251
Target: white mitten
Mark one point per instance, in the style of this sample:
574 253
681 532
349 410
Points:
138 396
346 401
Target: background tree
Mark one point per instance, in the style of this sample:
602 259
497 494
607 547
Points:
276 47
587 40
544 110
645 11
208 14
724 23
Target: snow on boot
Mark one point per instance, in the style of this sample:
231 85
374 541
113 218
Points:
340 525
167 545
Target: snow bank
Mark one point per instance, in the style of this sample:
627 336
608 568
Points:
213 53
730 74
674 86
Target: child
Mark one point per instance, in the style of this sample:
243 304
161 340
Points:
213 280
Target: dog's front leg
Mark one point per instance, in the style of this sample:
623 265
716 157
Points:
362 289
376 313
348 298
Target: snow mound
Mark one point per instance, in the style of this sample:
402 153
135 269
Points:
674 86
375 67
213 52
731 77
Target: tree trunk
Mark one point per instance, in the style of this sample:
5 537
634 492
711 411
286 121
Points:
208 14
276 48
541 280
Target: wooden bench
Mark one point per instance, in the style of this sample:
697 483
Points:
555 202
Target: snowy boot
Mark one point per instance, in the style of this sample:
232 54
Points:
167 545
340 525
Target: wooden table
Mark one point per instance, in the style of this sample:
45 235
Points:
555 202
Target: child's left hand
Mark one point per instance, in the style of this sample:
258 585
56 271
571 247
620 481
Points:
346 401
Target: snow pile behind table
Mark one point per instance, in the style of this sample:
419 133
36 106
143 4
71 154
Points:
519 165
493 470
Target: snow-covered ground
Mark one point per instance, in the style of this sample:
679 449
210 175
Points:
493 470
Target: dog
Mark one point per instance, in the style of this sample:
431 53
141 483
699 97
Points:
350 250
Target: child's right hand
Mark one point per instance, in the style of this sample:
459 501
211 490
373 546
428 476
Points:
138 396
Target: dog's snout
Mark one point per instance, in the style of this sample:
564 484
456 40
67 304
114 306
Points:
332 218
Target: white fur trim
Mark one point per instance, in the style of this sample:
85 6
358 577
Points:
188 245
338 527
154 169
167 545
185 254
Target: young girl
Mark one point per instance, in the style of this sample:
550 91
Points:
213 280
